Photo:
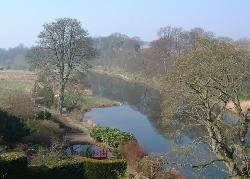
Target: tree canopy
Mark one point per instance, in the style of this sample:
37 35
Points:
63 46
201 85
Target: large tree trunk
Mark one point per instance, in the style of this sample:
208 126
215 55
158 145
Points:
61 98
222 152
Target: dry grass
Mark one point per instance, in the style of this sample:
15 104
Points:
18 75
21 105
244 106
14 84
43 131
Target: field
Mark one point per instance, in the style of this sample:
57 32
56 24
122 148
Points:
17 75
16 86
14 83
19 82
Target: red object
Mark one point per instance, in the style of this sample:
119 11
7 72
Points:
100 154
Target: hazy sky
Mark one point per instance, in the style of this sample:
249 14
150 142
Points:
22 20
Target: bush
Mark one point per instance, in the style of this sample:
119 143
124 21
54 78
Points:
46 156
116 153
110 136
19 103
43 115
132 152
46 93
80 167
87 152
97 132
43 131
12 128
13 165
62 169
152 166
39 172
110 169
73 97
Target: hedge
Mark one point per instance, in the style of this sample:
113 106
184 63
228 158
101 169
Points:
12 128
14 165
63 169
95 169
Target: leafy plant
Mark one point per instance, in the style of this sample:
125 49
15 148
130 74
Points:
43 115
110 136
50 155
45 93
87 152
152 166
12 128
116 153
97 132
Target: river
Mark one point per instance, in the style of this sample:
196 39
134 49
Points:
141 115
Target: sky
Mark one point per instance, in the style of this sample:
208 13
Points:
22 20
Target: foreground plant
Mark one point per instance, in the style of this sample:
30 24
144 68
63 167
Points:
110 136
201 85
132 152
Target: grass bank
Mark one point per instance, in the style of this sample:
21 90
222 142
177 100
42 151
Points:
15 90
153 82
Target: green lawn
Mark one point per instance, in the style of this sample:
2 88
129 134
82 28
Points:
128 75
93 100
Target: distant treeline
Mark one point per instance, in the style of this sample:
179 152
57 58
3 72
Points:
14 58
121 52
118 51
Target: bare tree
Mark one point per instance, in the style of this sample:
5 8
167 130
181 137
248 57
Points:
63 46
204 86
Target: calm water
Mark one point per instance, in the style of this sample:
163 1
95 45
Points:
140 114
128 119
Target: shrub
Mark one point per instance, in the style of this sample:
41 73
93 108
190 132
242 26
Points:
97 132
62 169
12 128
110 136
132 152
46 93
80 167
110 169
43 131
73 97
43 115
20 104
48 155
37 171
13 165
87 152
116 153
152 166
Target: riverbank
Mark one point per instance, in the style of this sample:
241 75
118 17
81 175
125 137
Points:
77 132
152 82
15 92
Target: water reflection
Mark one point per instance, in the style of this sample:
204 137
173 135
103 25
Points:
145 100
141 98
141 115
